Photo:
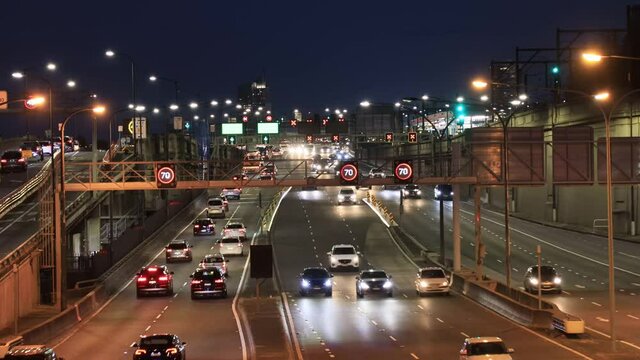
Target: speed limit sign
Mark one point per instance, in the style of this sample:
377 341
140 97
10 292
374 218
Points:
402 171
166 176
349 173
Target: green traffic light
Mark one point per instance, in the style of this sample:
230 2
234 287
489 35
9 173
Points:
460 108
555 70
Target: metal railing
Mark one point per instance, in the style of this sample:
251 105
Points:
17 196
119 226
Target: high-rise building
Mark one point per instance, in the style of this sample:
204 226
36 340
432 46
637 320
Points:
254 95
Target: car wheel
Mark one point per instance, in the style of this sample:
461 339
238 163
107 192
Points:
328 293
390 294
193 297
224 294
170 291
302 293
138 294
359 295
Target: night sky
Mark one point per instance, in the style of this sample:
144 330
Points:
315 54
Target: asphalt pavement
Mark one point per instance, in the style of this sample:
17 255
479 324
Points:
403 327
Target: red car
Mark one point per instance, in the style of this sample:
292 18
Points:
154 279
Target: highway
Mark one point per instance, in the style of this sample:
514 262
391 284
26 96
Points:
207 325
402 327
581 259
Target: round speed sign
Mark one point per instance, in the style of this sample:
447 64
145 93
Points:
166 176
349 172
403 171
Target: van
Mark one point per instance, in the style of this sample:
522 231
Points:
215 207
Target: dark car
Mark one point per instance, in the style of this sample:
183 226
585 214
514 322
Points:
374 281
12 161
443 192
31 352
154 279
316 279
550 279
208 282
159 347
323 166
204 226
411 191
178 250
240 177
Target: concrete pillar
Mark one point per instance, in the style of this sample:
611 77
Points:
93 234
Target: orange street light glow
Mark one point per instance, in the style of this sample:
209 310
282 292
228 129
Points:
601 96
591 57
99 109
35 101
479 84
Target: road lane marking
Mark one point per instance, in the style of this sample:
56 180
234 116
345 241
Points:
596 304
464 334
414 356
392 338
633 317
374 323
440 320
579 286
420 306
602 319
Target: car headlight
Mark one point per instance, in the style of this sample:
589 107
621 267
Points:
423 283
533 281
327 283
557 280
305 283
445 283
364 286
405 191
387 284
333 259
418 192
437 192
340 197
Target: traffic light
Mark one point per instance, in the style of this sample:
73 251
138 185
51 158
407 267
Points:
555 70
265 139
245 118
309 139
269 118
335 138
187 125
460 113
413 137
293 122
555 76
388 137
231 140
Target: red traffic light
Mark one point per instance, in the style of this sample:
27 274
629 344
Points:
269 118
293 122
413 137
388 137
335 138
245 118
325 122
309 139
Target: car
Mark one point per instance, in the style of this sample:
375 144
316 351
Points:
344 256
46 147
235 229
269 168
373 281
551 280
154 279
323 166
231 245
432 280
204 226
411 191
214 261
31 352
377 173
347 195
231 193
443 192
208 282
159 347
316 279
240 177
178 250
487 347
266 176
12 161
32 149
8 342
215 208
277 153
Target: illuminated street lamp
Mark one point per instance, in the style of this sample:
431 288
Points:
51 66
71 83
602 96
228 101
214 103
174 107
365 103
193 105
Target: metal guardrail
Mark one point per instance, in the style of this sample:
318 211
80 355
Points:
600 224
17 196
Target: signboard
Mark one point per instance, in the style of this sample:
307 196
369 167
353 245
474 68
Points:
403 171
349 173
625 160
572 155
309 139
412 137
232 129
335 138
140 124
268 128
4 98
388 137
177 123
165 176
261 261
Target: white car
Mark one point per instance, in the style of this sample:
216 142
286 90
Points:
215 261
231 193
488 347
344 256
347 195
230 246
215 207
235 229
432 280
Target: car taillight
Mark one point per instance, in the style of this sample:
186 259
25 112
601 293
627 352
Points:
21 160
168 250
163 278
196 282
141 352
142 279
172 351
196 226
239 244
4 161
219 281
153 269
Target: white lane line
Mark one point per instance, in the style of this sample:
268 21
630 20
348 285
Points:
414 356
159 316
602 319
234 304
633 317
405 295
440 320
392 338
420 306
579 286
18 218
556 246
464 334
374 323
596 304
629 255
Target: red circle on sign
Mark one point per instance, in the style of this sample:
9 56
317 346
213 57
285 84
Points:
403 175
348 172
166 180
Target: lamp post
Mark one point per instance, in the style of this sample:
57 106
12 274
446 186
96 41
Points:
61 241
110 54
176 88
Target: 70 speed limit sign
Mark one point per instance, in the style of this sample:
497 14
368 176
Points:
403 171
166 176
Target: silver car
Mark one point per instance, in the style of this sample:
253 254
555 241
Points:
432 280
230 246
215 261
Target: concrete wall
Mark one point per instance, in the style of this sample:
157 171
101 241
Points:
27 297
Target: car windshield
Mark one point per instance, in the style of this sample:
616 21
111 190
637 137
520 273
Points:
203 222
346 192
155 340
373 275
213 259
411 187
177 246
486 348
432 273
152 271
315 273
235 226
344 250
545 271
207 274
12 155
444 188
215 202
229 240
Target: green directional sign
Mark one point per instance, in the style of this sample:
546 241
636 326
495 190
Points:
265 139
268 128
231 140
232 129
